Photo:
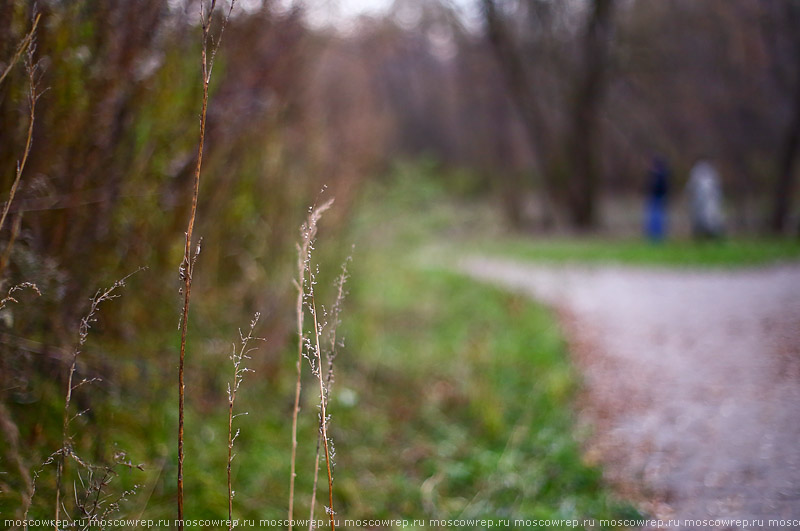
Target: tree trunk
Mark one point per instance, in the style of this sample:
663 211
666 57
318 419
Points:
572 163
519 86
782 202
582 159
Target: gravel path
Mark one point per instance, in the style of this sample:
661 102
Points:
692 381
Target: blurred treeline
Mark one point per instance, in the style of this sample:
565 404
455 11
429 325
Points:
545 106
568 101
564 101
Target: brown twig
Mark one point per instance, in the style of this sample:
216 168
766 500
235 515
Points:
31 68
187 265
308 232
12 238
330 355
23 45
323 402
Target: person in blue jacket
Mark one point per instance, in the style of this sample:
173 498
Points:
656 208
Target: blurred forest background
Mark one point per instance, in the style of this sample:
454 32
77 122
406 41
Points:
431 118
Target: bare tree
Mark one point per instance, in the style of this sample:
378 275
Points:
567 155
779 29
581 158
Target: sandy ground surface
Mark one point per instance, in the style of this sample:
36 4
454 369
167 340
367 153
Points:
692 381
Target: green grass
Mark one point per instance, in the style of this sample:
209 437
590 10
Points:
418 201
674 253
463 392
468 392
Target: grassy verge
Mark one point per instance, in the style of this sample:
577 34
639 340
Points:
466 392
674 253
456 396
452 400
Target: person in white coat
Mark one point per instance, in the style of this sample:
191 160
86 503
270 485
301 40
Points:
705 201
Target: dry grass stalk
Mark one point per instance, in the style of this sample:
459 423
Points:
25 44
239 370
308 233
330 356
28 47
18 287
94 506
49 461
6 256
208 53
9 428
323 413
31 67
83 333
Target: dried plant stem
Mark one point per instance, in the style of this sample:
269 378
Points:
298 384
21 286
83 332
231 439
28 44
21 163
331 356
237 360
187 265
316 483
26 508
6 256
323 400
308 232
23 45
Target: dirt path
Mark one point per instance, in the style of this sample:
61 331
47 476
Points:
692 380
